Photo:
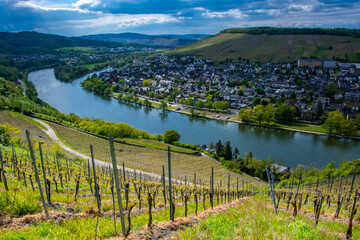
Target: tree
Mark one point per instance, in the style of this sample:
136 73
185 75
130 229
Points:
199 104
357 121
247 115
171 136
189 101
209 105
211 145
333 123
269 113
236 152
319 110
259 113
163 105
151 94
181 100
285 113
256 101
147 83
219 148
147 103
222 105
227 151
115 88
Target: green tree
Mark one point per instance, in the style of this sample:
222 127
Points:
357 121
247 115
219 148
147 83
259 113
269 115
209 105
163 105
236 152
333 123
189 101
319 110
181 100
227 151
256 101
285 113
147 103
222 105
200 104
171 136
151 94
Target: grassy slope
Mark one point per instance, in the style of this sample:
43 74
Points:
270 47
255 219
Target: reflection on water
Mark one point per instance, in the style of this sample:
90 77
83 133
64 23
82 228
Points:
293 147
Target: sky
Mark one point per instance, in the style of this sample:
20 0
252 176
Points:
84 17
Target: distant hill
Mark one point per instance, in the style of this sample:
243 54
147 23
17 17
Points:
33 42
277 44
169 40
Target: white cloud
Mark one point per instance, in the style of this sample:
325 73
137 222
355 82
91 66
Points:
81 3
124 20
234 13
271 12
34 5
300 7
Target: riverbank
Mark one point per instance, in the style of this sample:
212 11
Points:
232 116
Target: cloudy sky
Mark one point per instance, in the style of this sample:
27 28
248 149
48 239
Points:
82 17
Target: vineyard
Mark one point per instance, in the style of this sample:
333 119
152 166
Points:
330 200
84 197
49 193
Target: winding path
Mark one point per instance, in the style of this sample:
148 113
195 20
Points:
51 133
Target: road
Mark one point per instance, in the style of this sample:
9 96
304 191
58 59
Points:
51 133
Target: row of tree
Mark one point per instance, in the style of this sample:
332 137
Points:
219 105
268 114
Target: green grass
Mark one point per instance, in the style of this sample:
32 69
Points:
255 220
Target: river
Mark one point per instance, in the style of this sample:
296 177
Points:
292 148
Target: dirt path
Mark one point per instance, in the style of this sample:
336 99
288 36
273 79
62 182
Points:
51 133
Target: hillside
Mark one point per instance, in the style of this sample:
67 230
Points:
276 45
169 40
33 42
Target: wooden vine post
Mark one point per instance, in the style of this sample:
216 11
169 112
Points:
271 189
36 172
170 186
44 172
97 195
212 188
163 182
352 213
3 172
117 185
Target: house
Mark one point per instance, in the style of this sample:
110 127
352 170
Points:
349 96
249 92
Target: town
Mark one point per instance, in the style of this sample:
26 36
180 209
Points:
243 84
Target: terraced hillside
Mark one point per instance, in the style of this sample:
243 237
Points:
273 47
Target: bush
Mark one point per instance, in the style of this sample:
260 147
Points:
171 136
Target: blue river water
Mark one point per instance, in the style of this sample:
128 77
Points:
292 148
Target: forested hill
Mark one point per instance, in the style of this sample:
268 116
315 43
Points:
277 44
169 41
33 42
